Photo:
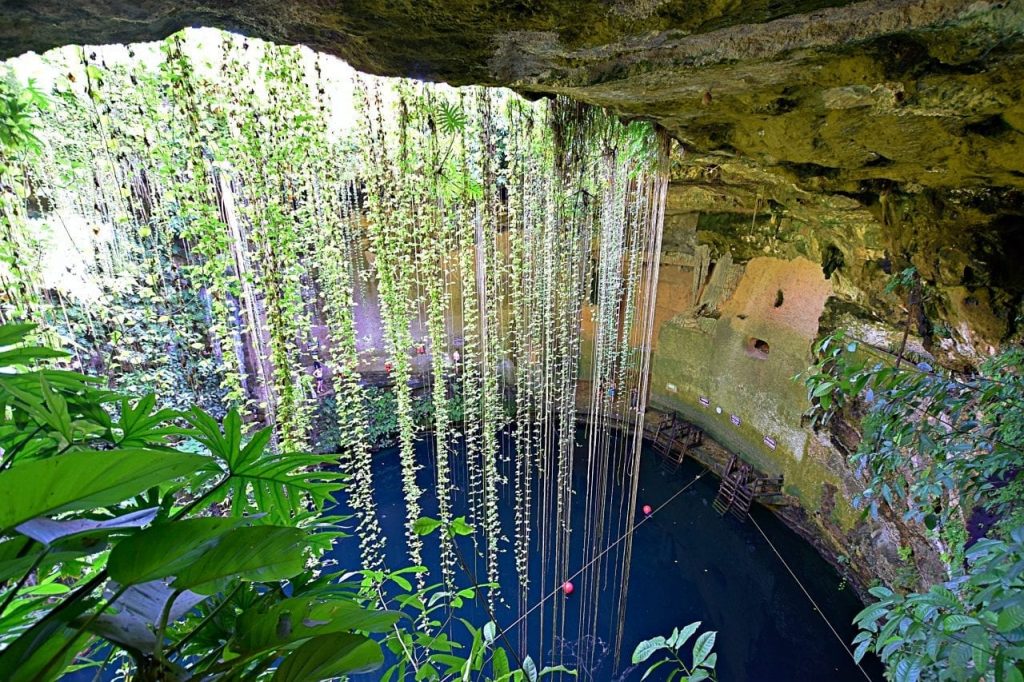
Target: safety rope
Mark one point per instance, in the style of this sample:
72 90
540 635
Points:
811 599
597 558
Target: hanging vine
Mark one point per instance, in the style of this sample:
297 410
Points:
515 244
390 213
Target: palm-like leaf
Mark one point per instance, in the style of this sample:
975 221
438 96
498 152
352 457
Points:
451 117
139 426
281 485
44 410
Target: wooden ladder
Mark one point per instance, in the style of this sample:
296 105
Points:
726 495
673 439
735 495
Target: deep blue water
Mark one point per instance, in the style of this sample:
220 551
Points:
688 564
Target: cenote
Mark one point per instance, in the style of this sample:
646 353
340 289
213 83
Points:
689 564
695 353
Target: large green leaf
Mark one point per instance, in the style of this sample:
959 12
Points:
647 648
85 480
56 415
499 667
680 637
330 656
25 356
140 426
11 334
19 553
165 549
957 622
1011 617
530 668
257 553
29 656
297 618
702 647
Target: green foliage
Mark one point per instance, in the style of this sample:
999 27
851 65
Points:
903 281
971 627
429 653
935 447
84 480
210 536
927 435
285 485
111 535
326 426
699 666
451 118
221 215
382 416
19 108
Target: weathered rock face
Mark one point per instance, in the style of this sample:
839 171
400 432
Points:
896 126
825 144
747 285
919 92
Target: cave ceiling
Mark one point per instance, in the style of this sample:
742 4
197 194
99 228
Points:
907 114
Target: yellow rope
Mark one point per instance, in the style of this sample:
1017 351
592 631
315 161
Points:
605 551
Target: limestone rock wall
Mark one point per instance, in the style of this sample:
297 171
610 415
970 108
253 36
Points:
754 271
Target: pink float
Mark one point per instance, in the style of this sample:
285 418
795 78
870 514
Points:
567 588
647 510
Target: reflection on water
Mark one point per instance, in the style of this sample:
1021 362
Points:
688 564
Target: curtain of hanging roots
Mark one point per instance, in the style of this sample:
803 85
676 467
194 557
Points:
516 243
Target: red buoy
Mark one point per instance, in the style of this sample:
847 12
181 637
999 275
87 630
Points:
567 587
647 510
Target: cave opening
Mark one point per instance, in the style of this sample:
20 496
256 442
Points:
832 260
758 348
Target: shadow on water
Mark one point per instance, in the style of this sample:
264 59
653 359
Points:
688 564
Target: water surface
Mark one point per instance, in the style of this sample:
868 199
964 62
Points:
688 564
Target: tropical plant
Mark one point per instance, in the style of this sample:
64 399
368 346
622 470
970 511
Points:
699 666
19 108
117 542
970 627
113 536
934 447
933 443
431 653
222 211
382 416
